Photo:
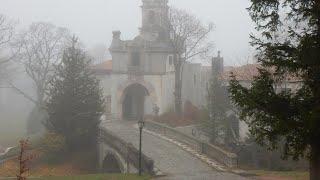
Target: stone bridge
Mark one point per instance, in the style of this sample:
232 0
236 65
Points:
172 160
119 156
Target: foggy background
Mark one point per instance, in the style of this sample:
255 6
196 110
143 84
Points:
94 20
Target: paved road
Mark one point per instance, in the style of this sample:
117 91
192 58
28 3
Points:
176 163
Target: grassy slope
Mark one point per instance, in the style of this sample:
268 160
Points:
294 175
97 177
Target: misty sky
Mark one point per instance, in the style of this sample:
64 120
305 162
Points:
94 20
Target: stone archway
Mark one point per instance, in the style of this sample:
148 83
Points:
133 102
132 96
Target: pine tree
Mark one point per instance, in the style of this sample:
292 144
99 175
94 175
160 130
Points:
76 103
288 46
218 105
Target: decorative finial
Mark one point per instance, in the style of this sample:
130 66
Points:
116 34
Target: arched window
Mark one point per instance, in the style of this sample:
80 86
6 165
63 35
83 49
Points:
135 59
152 17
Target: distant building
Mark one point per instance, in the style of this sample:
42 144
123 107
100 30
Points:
141 76
245 75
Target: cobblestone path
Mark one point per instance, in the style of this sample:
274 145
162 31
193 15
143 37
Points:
170 159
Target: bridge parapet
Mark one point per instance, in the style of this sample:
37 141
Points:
214 152
127 151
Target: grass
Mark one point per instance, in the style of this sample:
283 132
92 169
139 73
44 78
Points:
292 175
97 177
65 171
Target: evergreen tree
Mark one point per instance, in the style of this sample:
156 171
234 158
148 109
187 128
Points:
218 105
76 103
288 45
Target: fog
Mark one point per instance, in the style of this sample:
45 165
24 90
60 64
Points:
94 20
155 87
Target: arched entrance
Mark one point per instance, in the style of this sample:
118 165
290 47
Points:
134 102
111 164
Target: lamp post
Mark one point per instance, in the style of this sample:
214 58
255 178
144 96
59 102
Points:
141 125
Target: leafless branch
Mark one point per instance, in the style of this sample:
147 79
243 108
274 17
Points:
7 28
38 49
189 39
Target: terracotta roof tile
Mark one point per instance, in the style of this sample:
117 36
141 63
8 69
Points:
242 73
104 67
248 72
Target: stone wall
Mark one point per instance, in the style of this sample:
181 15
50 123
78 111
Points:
214 152
127 150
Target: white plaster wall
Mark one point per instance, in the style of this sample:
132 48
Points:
243 131
168 92
155 62
156 82
110 84
192 85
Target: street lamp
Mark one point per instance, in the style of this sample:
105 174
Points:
141 125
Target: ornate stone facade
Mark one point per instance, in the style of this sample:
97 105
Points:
142 71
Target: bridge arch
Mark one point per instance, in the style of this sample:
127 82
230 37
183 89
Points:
132 96
112 161
112 164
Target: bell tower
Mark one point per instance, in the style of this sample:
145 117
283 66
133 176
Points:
155 16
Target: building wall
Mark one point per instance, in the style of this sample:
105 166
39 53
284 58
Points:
120 62
194 84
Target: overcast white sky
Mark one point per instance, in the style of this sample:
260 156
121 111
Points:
94 20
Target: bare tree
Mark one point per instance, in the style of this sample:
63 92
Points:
7 28
189 39
38 49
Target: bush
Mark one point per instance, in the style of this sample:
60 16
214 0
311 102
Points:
190 111
53 148
86 160
258 157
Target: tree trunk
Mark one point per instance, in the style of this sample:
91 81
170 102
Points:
315 162
178 91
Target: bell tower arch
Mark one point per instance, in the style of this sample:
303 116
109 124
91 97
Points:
155 15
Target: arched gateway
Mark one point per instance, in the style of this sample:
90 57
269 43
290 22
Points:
136 99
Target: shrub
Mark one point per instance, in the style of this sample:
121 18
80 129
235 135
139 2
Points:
53 148
190 111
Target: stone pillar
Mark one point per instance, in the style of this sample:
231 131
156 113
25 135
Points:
218 64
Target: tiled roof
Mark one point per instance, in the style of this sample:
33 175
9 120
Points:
104 67
248 72
242 73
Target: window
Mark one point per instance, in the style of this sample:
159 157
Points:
108 104
152 17
170 60
135 59
194 79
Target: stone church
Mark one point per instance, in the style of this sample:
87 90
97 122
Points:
140 77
